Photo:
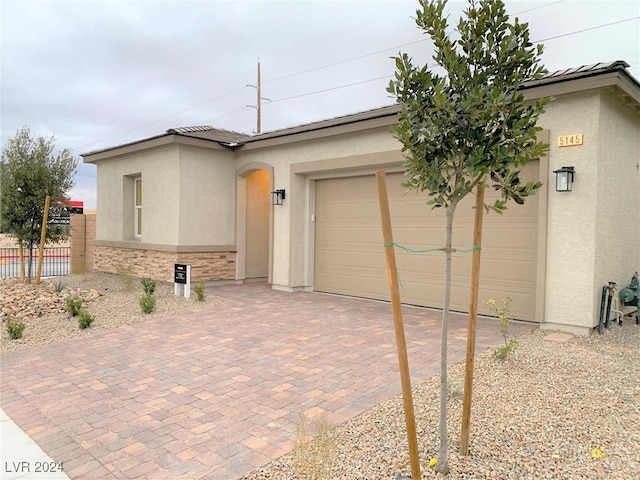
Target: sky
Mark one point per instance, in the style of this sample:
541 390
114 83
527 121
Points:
98 73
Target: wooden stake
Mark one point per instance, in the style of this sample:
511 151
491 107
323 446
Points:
473 317
401 345
43 237
21 255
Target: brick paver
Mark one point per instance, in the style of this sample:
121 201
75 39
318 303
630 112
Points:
217 393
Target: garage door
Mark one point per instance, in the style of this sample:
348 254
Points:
349 257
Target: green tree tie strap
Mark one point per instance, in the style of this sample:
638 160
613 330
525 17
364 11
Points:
429 250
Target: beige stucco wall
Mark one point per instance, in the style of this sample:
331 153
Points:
571 217
617 230
586 234
160 190
206 210
292 225
188 196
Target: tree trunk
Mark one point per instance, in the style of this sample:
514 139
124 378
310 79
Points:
442 465
29 261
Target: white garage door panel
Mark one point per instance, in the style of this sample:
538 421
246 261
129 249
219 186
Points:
350 252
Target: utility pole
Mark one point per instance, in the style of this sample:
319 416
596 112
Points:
259 99
258 102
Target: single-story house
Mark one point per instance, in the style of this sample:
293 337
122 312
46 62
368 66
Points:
203 196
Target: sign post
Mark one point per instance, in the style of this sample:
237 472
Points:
182 276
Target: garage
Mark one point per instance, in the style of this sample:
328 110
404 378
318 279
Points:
349 255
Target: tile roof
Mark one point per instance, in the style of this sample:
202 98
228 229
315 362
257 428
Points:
579 72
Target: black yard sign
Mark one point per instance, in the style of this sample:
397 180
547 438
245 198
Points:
180 273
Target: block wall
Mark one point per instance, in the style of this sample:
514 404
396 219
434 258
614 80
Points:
83 234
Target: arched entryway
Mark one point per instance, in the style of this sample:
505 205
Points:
254 228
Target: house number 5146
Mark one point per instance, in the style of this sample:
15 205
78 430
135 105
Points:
570 140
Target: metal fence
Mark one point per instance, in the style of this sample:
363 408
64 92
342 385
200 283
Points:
56 262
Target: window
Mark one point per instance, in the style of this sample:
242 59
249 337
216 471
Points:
138 208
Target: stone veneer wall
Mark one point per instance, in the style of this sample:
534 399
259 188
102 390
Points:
206 266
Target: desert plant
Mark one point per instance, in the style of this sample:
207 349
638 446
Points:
126 275
149 285
454 388
199 289
315 448
85 319
14 328
59 286
148 303
503 351
504 317
74 305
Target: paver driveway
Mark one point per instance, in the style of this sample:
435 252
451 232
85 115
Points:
217 393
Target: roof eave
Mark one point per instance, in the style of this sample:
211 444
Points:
150 143
616 75
369 115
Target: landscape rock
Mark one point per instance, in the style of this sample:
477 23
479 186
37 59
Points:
30 301
113 300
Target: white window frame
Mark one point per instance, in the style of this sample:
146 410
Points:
137 205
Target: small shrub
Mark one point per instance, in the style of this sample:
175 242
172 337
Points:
199 289
315 449
14 329
126 275
503 351
148 303
504 317
74 305
85 319
149 285
59 286
454 389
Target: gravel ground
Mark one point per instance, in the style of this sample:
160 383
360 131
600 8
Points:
552 410
116 305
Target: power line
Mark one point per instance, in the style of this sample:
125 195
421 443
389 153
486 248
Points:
343 61
224 115
587 29
164 118
538 8
336 32
330 89
359 57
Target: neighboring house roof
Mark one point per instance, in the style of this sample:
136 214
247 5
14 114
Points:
231 139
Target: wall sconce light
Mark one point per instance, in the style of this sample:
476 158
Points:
278 196
564 179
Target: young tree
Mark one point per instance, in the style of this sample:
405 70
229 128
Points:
470 126
29 171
